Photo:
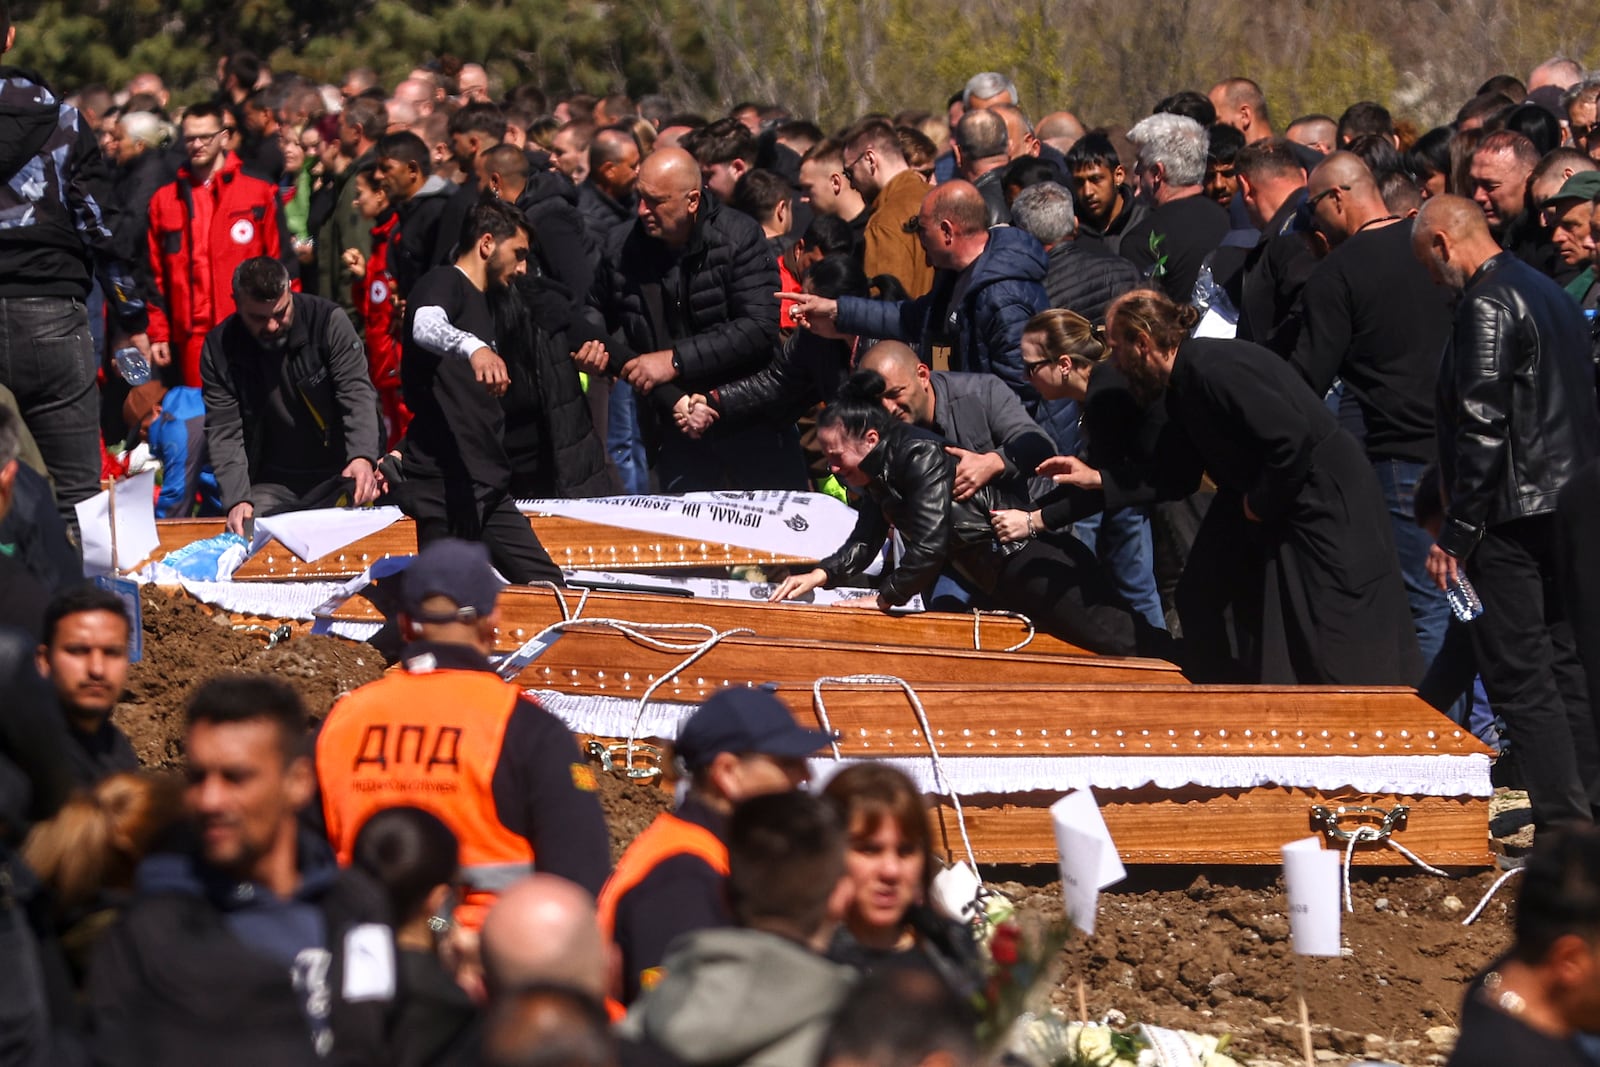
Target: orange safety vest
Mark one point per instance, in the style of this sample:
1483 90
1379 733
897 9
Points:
430 741
666 837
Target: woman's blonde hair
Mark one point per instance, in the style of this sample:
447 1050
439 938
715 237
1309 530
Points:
99 836
1067 333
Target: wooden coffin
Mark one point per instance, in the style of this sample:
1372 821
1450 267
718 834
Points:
1193 825
596 659
525 611
1185 824
570 542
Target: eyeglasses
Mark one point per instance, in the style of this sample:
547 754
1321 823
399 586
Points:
912 225
849 167
1030 367
1311 204
202 138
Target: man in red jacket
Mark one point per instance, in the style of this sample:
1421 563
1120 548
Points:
202 226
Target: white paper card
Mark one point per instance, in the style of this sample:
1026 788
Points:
1213 324
1311 874
369 972
1080 856
313 534
1080 811
136 538
953 890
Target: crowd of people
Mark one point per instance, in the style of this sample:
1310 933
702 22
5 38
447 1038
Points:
1313 407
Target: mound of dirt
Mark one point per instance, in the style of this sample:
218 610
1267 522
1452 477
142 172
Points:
186 642
1207 951
1214 957
630 806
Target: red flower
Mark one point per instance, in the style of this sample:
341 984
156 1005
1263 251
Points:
1003 946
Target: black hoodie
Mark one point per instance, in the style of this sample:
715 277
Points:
201 968
58 218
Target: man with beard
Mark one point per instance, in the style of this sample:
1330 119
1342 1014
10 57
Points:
291 415
874 165
456 475
84 657
244 942
1296 547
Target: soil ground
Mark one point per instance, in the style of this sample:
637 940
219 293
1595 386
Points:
1205 950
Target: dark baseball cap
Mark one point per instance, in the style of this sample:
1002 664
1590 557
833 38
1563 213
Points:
459 570
741 720
1584 185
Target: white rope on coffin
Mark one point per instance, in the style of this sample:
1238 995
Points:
1472 916
567 615
927 731
977 621
1368 833
637 631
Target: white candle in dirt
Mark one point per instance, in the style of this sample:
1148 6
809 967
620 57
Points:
1311 875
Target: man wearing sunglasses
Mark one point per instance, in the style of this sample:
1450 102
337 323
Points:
875 167
203 227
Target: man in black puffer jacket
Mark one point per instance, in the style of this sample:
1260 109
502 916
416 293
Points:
688 292
1080 277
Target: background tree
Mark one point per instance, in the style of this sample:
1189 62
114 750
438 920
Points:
1107 60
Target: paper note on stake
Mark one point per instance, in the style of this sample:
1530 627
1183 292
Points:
1087 855
1079 810
1311 875
133 538
1080 855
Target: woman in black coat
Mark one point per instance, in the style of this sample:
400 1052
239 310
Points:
908 480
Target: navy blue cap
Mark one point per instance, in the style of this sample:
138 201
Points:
743 720
459 570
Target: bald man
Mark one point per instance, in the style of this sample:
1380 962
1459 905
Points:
1240 103
472 84
987 285
1317 132
1370 315
543 930
418 93
1515 405
1060 130
982 144
688 293
990 434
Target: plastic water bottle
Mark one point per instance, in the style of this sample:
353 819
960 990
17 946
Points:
1463 598
132 365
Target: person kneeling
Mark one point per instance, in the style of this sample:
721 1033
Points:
908 478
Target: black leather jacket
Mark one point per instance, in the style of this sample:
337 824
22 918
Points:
1515 401
911 488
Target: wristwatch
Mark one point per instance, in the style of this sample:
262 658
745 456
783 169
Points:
677 364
